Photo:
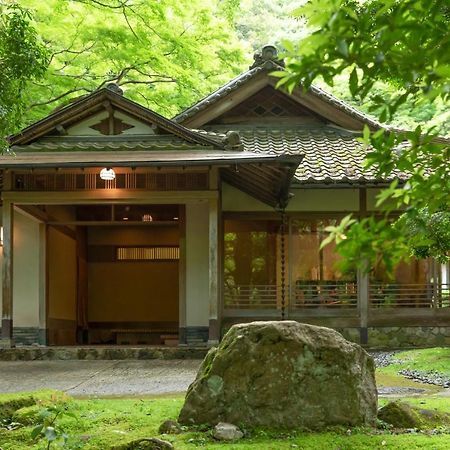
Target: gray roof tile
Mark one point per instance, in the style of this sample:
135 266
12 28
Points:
331 155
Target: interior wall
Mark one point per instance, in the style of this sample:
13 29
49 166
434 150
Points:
197 264
26 272
131 291
61 287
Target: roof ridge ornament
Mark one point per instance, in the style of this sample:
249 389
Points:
114 87
232 141
267 57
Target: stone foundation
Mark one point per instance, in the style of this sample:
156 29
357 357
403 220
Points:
193 336
99 353
401 337
27 336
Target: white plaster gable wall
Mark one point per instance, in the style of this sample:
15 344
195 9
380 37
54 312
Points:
235 200
197 264
304 200
83 128
328 199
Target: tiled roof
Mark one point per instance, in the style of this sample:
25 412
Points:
331 155
267 67
151 143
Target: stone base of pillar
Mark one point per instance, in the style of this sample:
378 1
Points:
363 336
214 331
6 343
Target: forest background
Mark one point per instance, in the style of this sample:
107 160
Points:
167 54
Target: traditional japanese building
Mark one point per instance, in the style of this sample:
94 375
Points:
121 226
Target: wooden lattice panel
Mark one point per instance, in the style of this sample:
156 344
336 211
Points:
152 181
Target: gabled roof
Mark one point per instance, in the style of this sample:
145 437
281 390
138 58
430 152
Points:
109 97
262 68
47 144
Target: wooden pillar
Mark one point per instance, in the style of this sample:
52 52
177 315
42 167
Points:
363 304
214 322
182 337
363 280
7 272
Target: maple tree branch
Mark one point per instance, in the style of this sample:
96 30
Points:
59 97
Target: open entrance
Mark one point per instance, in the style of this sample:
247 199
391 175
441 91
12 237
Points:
113 274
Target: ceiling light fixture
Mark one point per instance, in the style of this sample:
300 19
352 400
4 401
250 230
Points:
107 174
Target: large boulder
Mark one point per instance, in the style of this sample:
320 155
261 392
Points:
283 374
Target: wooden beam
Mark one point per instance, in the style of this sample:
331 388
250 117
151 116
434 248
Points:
33 212
117 196
7 272
362 202
37 213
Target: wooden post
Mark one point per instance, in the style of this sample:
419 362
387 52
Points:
214 323
7 271
363 304
182 338
362 280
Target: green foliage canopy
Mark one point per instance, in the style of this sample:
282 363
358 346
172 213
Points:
404 43
23 57
164 54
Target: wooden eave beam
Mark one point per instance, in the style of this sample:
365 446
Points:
255 190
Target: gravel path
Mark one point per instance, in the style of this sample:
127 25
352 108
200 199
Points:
383 359
435 378
147 377
99 378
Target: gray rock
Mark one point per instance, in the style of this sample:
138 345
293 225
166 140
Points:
283 374
170 427
145 444
227 432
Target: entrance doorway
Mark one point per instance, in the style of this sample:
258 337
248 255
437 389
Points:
113 275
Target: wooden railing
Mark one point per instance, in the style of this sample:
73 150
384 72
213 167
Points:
335 295
325 294
304 295
424 295
251 296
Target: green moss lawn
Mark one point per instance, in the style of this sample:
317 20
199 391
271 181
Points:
109 423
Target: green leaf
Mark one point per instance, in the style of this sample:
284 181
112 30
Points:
353 82
50 434
36 431
342 47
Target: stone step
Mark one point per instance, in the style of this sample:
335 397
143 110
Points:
112 352
171 342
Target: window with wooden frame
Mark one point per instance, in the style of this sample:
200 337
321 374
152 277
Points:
153 253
